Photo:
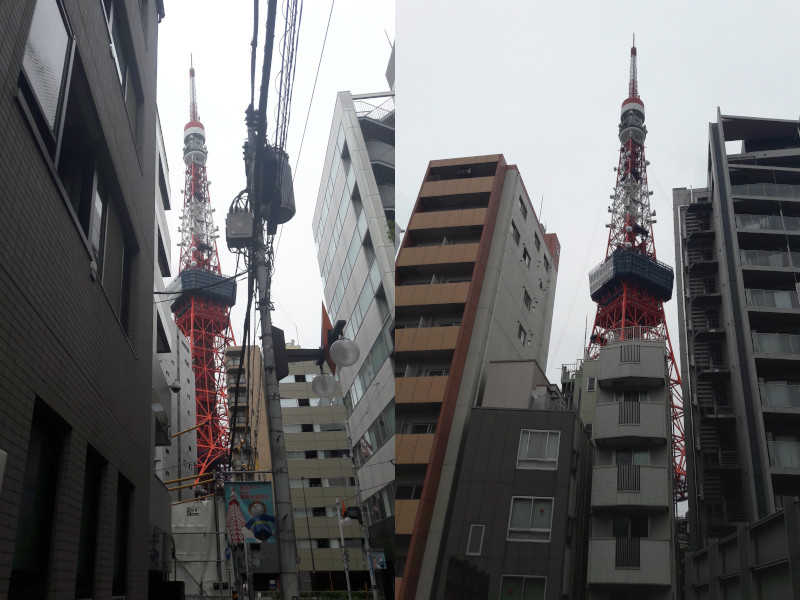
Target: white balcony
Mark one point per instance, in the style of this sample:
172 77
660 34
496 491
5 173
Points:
653 557
653 485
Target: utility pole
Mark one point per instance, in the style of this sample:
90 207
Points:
260 189
344 551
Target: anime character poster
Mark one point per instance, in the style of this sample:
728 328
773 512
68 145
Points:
250 503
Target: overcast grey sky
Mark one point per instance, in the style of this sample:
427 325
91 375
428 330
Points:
218 36
542 83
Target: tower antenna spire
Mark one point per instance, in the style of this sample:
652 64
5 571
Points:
633 84
193 116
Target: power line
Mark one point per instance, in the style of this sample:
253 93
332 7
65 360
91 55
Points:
314 89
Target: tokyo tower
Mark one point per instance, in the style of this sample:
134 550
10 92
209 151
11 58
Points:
202 308
630 286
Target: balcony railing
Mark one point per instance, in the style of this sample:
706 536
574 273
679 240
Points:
628 479
780 395
770 190
380 152
776 343
772 298
627 553
377 109
629 413
769 258
773 222
387 196
784 454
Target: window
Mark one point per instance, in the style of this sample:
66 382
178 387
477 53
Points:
526 299
630 396
37 518
123 56
590 383
475 540
632 457
522 588
417 428
546 263
538 449
530 519
409 492
515 233
526 257
537 242
522 208
521 335
635 526
47 61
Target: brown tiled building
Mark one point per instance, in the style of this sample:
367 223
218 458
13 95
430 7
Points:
475 282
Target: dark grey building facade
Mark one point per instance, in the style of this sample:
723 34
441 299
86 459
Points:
520 515
77 179
758 560
738 257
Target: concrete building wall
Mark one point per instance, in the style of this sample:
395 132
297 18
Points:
76 381
759 560
490 476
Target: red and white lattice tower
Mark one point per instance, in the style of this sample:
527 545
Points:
202 309
630 286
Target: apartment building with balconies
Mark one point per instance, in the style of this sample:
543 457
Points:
354 233
737 244
476 276
632 539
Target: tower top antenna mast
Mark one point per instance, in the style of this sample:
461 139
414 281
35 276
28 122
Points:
633 85
193 116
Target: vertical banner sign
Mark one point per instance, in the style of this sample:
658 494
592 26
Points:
250 512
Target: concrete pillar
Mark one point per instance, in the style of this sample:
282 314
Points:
745 562
791 515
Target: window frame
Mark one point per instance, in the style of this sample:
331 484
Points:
526 257
530 530
591 384
28 94
619 396
526 299
522 335
522 208
515 235
475 527
523 577
537 463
